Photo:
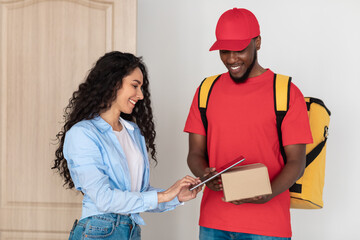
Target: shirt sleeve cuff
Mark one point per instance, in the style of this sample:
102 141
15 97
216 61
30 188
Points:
177 202
150 199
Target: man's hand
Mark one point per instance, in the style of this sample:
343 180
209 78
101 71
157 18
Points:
214 184
256 200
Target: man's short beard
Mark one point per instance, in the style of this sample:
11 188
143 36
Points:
246 74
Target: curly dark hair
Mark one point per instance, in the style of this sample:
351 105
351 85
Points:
95 96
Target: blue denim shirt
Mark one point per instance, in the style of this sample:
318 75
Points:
99 169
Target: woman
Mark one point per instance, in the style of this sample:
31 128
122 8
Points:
103 151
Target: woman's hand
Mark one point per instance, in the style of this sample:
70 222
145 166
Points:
175 189
185 194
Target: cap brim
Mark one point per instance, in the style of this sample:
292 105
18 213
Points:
231 45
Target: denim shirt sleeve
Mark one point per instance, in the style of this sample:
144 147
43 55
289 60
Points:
87 170
165 206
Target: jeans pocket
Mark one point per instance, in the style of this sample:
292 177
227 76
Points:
136 235
99 228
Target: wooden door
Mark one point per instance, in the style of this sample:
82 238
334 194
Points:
46 49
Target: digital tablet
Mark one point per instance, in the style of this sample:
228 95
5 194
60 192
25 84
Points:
220 170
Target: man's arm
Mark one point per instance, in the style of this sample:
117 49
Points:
292 171
197 160
197 154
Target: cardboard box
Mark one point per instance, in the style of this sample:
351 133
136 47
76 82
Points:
246 182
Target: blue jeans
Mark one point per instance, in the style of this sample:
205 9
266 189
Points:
214 234
109 226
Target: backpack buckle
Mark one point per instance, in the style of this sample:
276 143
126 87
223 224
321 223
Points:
326 132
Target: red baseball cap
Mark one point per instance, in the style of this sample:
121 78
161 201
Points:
235 29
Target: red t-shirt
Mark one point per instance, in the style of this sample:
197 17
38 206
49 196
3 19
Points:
241 121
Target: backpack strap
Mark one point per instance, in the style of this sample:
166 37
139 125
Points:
204 94
281 104
281 101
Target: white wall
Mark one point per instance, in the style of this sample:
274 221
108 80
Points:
317 42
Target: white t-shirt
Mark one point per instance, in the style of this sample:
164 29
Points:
134 158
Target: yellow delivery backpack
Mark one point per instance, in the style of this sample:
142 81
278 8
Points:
307 192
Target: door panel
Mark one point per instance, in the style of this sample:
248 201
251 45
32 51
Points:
46 49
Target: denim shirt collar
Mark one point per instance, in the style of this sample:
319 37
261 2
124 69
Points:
103 126
126 124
